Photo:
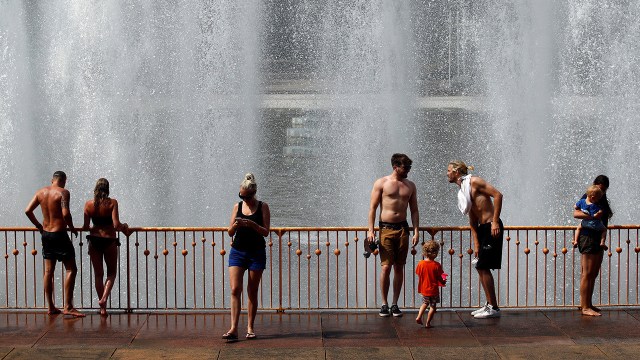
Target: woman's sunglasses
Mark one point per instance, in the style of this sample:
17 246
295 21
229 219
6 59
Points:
245 197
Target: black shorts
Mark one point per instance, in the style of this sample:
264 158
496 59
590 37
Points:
589 243
57 246
490 255
101 244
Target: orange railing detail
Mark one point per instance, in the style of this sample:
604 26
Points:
183 268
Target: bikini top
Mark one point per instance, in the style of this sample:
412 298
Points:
102 221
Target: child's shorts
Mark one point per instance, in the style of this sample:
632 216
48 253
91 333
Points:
431 300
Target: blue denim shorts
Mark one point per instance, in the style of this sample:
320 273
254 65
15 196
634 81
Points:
252 260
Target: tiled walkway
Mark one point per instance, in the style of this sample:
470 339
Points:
519 334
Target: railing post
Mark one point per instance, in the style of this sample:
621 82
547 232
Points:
128 309
280 308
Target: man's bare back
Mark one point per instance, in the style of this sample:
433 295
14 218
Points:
54 203
50 199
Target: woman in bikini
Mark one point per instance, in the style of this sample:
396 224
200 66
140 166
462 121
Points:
103 240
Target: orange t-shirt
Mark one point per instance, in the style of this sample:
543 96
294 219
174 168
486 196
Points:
429 277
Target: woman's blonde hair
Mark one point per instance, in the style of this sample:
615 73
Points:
101 191
430 249
249 183
460 167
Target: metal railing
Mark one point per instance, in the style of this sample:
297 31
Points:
321 268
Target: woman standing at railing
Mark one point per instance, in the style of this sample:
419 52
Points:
103 242
590 249
250 224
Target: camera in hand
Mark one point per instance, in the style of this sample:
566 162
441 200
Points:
372 247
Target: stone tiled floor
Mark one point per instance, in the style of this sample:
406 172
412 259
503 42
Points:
518 334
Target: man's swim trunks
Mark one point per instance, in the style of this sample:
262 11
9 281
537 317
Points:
490 255
589 243
101 244
57 246
394 243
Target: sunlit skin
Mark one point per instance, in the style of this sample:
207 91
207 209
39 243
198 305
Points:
56 217
394 194
108 207
483 210
423 307
236 273
590 267
591 199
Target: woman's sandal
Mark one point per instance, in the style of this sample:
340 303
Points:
251 336
230 336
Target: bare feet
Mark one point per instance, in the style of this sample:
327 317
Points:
54 311
74 313
596 309
419 321
428 326
590 312
103 307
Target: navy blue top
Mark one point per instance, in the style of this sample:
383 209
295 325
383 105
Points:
590 209
605 214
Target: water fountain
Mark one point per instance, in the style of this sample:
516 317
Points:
173 103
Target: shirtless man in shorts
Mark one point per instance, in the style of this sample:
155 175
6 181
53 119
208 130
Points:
56 244
486 230
394 193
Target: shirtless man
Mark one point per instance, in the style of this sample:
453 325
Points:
393 193
486 230
56 244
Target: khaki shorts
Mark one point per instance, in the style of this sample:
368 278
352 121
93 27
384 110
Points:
394 246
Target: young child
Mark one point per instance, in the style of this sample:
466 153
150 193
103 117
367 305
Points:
430 277
590 206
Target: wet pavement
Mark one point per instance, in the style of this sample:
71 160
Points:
518 334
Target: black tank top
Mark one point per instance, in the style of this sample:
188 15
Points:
247 239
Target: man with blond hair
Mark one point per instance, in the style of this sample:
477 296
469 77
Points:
474 199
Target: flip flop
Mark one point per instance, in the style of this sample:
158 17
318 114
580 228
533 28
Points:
251 336
230 336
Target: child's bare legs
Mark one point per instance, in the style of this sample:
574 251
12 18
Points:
603 241
576 236
423 307
432 311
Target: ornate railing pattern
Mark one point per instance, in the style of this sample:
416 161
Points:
321 268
